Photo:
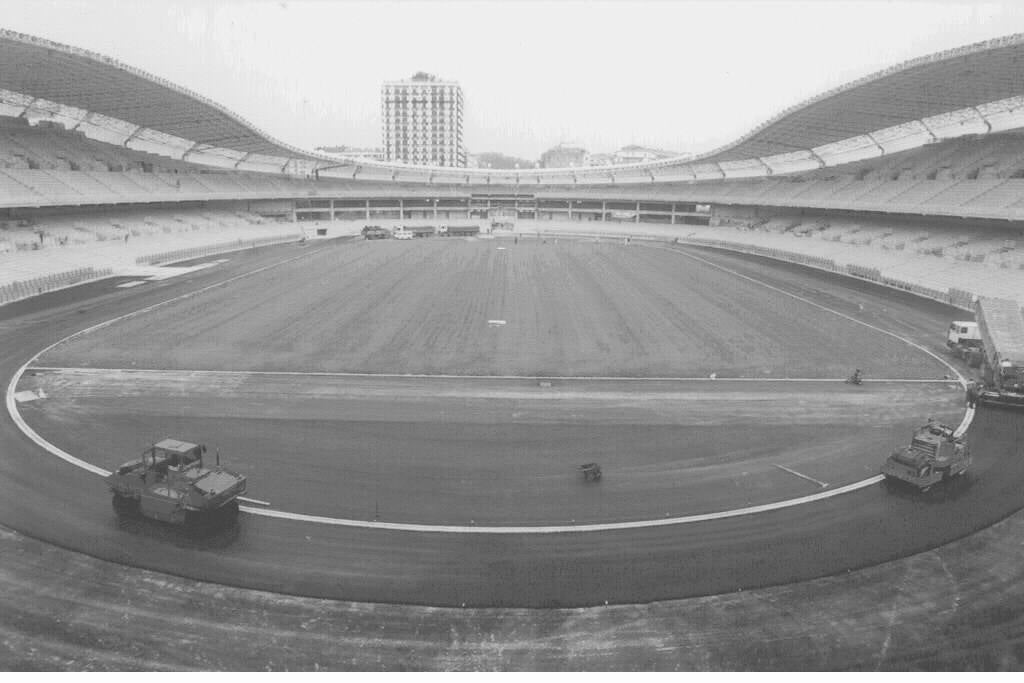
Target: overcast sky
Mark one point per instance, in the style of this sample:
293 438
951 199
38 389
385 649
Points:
684 76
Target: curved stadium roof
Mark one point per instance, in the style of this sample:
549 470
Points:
976 88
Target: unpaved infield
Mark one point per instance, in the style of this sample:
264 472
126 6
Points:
568 308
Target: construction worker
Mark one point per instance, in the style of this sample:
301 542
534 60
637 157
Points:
972 394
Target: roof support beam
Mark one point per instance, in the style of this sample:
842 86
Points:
877 143
242 160
85 119
189 150
131 136
988 124
935 138
720 169
814 155
768 169
27 107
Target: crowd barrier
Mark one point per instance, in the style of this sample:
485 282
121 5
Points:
23 289
211 249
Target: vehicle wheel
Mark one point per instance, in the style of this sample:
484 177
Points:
124 505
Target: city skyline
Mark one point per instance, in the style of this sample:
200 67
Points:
687 76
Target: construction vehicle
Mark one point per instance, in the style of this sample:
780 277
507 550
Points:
459 231
1001 324
170 483
591 471
963 339
375 232
935 454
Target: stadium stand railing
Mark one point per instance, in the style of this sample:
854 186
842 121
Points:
23 289
176 255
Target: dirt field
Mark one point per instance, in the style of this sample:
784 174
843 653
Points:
570 308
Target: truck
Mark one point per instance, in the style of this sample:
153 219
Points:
1001 325
459 231
935 454
375 232
169 482
963 339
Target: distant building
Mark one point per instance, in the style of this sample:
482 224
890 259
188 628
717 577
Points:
422 120
634 154
600 159
370 153
565 155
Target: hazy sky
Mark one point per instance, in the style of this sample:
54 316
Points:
685 76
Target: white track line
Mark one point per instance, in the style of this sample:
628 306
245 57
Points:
12 405
12 408
561 529
386 375
803 476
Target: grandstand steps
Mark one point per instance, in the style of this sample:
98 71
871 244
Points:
920 192
121 256
82 183
963 192
11 190
1001 196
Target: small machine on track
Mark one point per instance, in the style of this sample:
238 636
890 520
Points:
170 483
591 471
935 454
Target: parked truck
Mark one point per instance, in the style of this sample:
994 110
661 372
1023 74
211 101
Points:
935 454
1001 325
170 483
375 232
963 339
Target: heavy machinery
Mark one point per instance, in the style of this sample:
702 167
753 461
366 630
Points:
458 231
375 232
935 454
1001 324
591 471
963 339
170 483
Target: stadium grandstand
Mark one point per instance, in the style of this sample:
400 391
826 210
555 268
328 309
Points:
913 176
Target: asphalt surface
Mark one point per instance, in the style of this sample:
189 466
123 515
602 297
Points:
47 499
493 451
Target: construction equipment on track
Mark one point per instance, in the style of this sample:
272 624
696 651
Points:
1001 324
591 471
170 483
935 454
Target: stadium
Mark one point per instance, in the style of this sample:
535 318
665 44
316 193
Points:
411 415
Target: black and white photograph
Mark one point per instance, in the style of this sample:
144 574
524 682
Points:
511 336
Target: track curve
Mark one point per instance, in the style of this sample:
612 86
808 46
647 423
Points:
516 569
